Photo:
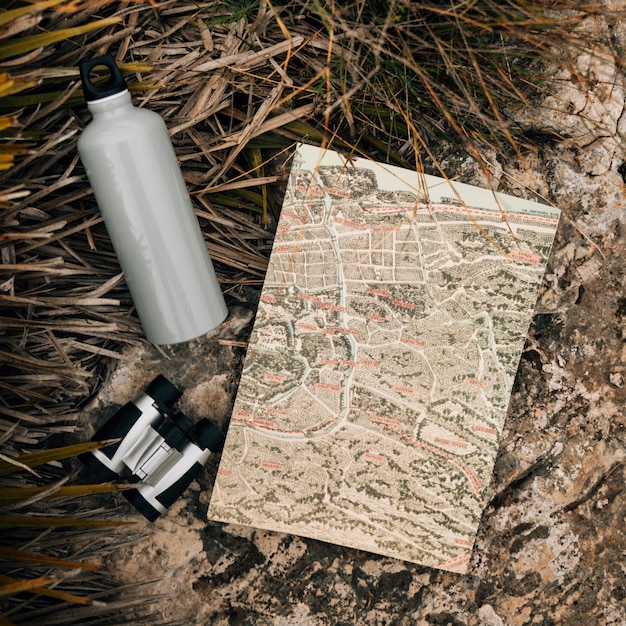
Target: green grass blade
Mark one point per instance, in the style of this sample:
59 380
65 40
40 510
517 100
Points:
12 149
33 459
11 103
8 16
13 495
23 45
42 521
44 591
20 586
14 554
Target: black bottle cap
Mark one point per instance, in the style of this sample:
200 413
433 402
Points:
115 82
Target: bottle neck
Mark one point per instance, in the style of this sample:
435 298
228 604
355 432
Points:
106 107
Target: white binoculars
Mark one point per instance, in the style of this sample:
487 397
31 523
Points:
158 448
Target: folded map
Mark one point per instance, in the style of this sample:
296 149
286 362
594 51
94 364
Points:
380 366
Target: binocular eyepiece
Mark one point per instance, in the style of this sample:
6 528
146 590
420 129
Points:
160 449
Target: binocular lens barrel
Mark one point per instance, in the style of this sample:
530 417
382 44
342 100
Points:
163 392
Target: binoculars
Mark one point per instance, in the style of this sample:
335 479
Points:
158 448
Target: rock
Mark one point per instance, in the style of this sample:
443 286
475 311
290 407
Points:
488 616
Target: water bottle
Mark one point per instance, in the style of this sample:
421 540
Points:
141 193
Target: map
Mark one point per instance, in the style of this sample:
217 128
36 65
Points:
376 383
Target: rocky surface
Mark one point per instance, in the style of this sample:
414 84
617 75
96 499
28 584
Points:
551 548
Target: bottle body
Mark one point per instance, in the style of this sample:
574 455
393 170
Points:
139 188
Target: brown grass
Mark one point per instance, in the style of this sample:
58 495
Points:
238 83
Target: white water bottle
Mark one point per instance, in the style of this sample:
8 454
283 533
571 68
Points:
139 188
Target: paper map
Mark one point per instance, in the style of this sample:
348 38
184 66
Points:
389 331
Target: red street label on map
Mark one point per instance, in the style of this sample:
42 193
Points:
273 378
333 307
451 443
350 223
399 389
340 193
477 383
328 387
275 411
270 465
403 304
309 298
261 423
413 342
485 429
295 216
368 363
380 419
525 257
305 326
377 292
311 191
385 229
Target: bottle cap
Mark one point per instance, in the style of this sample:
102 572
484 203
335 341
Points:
115 82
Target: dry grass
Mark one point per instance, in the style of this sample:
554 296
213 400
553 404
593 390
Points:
238 83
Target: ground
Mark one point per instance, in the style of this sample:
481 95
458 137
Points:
551 542
550 548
